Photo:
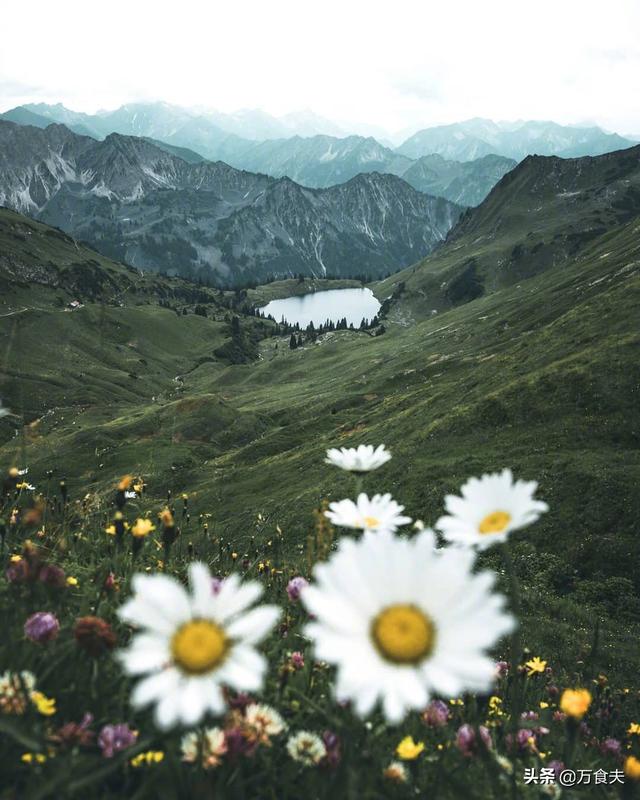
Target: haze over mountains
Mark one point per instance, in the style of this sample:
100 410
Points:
135 202
317 153
184 191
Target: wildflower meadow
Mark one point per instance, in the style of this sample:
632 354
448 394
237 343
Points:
144 656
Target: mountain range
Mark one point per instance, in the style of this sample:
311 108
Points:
474 138
141 204
312 151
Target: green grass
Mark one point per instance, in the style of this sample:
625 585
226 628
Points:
538 374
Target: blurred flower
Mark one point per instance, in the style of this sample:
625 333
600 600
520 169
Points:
490 508
44 705
125 482
401 619
557 767
332 745
632 768
33 758
142 527
94 635
467 742
535 665
264 721
396 772
575 702
193 643
634 728
71 581
307 748
147 759
52 575
15 690
408 750
75 733
611 747
166 517
378 514
114 738
295 586
41 627
358 459
211 746
436 714
297 660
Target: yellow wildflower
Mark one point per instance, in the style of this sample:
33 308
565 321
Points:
30 758
166 517
408 750
632 768
543 704
71 581
45 705
111 530
150 757
495 706
142 528
125 482
535 665
634 728
575 702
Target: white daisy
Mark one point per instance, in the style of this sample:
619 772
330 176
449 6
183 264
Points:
401 620
358 459
194 643
489 509
377 514
307 748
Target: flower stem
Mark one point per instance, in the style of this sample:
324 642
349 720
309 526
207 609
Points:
516 640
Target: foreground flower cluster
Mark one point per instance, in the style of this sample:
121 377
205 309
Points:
392 645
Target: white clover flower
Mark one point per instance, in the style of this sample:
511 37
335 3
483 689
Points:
377 514
490 508
358 459
401 620
264 719
209 747
306 748
194 643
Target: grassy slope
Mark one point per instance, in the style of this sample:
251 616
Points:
540 376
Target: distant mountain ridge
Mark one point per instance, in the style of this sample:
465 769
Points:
475 138
141 204
316 161
312 151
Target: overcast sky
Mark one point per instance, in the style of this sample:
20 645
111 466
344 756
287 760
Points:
396 65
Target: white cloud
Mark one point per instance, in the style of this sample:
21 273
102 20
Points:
393 65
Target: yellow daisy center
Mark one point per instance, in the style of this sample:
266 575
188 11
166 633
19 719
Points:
403 634
495 522
199 646
371 522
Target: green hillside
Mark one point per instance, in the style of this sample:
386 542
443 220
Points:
540 375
